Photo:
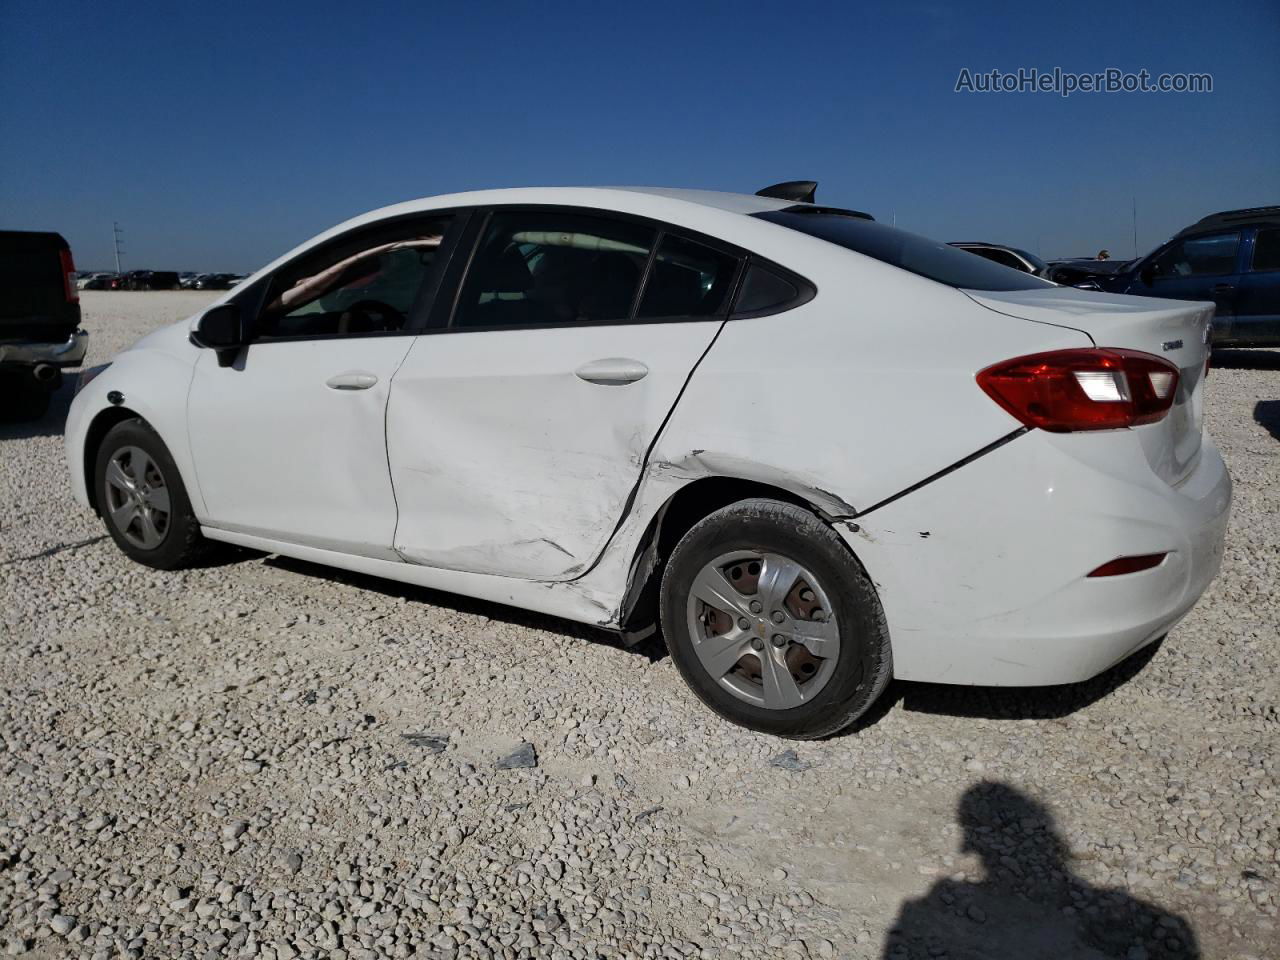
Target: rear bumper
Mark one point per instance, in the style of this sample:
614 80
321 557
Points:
983 573
68 353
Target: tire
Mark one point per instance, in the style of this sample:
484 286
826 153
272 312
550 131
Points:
132 511
836 674
22 397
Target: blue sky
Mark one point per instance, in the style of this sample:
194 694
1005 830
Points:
221 135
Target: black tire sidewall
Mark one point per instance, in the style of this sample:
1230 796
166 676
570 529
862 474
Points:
183 534
773 526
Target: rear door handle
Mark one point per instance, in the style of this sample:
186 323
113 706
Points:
612 371
352 380
1222 288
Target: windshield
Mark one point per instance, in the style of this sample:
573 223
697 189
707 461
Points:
920 255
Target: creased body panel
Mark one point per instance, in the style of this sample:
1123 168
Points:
853 397
987 589
506 462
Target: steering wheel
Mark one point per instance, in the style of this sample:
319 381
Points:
369 316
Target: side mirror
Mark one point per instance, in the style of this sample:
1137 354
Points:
221 328
1147 274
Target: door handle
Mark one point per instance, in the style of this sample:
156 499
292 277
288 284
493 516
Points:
355 380
1222 288
612 371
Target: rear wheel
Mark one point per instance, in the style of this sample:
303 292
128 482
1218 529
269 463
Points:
143 501
772 622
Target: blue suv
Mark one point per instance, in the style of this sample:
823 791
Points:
1231 258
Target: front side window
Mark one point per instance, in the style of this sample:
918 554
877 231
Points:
365 285
1266 249
936 261
1209 256
538 268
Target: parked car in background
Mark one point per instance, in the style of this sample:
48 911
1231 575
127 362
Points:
186 279
95 281
631 407
39 320
216 281
148 280
1231 258
1076 270
1005 256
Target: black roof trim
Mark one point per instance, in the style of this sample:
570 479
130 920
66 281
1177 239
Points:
832 211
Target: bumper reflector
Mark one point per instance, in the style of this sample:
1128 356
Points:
1120 565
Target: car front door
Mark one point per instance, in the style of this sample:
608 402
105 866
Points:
517 434
1195 268
288 440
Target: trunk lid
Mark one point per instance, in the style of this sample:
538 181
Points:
1175 330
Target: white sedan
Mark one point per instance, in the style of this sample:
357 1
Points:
816 451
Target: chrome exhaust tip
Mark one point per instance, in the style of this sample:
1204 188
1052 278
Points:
45 372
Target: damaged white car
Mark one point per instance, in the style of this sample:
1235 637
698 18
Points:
817 451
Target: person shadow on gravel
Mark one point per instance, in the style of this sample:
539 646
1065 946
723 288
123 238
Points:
1030 906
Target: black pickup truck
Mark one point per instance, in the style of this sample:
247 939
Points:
39 321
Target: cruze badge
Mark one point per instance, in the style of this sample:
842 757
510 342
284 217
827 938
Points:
1172 345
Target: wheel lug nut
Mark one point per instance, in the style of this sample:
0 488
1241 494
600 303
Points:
778 616
757 644
742 623
820 616
755 606
779 640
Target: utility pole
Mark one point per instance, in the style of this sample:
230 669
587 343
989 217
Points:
116 234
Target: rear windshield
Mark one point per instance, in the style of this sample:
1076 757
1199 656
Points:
920 255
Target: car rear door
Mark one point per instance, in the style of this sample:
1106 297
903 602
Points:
517 433
288 441
1257 318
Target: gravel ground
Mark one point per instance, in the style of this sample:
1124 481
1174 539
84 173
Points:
269 759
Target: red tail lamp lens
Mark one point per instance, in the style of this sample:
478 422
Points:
1129 565
1095 389
69 289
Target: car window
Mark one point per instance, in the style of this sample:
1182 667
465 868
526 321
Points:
1266 249
688 279
365 285
1212 255
1002 257
535 268
919 255
762 289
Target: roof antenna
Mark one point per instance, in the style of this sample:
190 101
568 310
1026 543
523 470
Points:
797 191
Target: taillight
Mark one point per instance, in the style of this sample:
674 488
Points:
69 276
1097 389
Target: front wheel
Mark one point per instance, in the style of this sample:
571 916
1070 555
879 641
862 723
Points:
773 623
142 499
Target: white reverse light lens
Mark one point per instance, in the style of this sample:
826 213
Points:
1103 386
1161 382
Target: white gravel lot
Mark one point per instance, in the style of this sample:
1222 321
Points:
223 763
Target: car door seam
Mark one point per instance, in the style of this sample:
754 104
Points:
632 496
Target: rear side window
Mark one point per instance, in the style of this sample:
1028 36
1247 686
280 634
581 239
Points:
688 279
762 289
1266 249
908 251
538 268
